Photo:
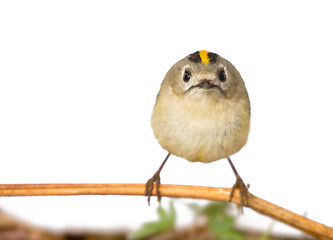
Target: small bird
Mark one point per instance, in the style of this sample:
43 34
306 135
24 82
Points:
202 113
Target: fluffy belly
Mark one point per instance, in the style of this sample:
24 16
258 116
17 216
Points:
204 139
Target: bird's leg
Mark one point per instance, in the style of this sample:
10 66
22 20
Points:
243 189
155 179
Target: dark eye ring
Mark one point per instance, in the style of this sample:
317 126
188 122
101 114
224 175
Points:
186 76
222 76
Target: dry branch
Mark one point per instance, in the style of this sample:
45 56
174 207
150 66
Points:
180 191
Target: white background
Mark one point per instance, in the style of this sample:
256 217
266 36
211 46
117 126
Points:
78 81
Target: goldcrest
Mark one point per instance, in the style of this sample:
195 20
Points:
202 113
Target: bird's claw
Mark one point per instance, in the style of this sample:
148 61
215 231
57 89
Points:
243 192
150 187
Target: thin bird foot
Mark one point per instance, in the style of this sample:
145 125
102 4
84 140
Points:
243 192
150 186
155 179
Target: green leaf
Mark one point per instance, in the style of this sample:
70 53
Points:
165 223
215 208
220 223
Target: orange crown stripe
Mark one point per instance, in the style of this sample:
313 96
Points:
204 56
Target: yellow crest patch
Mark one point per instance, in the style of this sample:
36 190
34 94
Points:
204 56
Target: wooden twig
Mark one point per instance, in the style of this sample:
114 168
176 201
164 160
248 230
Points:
180 191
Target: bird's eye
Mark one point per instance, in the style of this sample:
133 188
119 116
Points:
222 76
187 76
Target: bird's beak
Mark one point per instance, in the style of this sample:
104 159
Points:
206 84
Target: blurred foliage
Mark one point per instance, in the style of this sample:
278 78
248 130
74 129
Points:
166 222
219 222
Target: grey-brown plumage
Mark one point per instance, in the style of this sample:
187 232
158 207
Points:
204 118
202 113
